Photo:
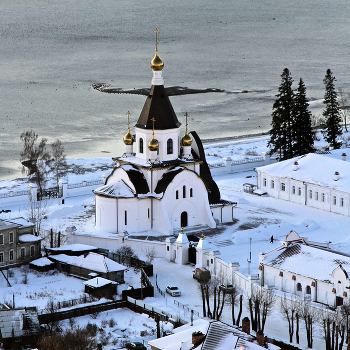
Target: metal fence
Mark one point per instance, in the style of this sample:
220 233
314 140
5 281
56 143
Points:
85 183
186 308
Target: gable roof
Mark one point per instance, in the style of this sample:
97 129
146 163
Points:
158 106
137 178
97 263
117 189
306 260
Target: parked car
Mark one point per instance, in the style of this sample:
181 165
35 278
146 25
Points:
201 275
173 291
136 345
228 288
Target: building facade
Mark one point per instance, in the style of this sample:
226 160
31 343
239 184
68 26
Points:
314 180
18 244
307 269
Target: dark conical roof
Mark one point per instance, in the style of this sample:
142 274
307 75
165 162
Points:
158 106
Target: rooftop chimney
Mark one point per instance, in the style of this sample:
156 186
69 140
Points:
343 157
197 337
336 176
296 165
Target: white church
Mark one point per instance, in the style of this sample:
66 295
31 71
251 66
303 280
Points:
162 182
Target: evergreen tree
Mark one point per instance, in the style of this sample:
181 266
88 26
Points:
281 137
303 135
332 112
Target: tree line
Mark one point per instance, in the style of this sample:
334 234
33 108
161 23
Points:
291 131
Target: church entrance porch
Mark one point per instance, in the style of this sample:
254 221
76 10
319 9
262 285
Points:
184 219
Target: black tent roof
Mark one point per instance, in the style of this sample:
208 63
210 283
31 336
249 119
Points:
166 179
158 106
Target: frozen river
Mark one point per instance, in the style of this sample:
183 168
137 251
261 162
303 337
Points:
52 51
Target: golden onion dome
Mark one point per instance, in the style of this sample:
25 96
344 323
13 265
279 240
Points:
128 138
187 140
153 145
157 63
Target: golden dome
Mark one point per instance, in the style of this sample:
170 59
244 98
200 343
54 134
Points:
187 140
153 145
128 138
157 63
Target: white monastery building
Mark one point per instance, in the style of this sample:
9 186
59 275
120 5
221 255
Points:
308 269
315 180
162 182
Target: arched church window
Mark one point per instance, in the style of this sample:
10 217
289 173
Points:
126 217
141 145
299 287
308 290
191 192
169 146
184 192
177 194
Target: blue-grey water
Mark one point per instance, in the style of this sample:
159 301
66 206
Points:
53 50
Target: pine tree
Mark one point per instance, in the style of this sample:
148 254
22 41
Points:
282 119
303 135
332 112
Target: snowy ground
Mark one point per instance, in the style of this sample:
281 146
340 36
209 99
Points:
257 218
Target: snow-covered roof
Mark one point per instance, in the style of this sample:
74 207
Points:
116 190
97 263
63 258
74 248
98 282
313 168
306 260
27 237
21 222
181 334
182 238
42 262
11 320
4 225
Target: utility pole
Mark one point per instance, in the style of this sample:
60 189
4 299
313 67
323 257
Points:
250 255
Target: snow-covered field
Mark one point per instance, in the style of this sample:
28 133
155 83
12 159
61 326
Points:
257 218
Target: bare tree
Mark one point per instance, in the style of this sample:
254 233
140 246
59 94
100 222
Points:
344 105
150 253
345 311
260 305
34 158
36 211
308 315
213 298
58 164
334 328
288 309
233 298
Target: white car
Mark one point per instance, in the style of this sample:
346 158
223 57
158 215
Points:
173 291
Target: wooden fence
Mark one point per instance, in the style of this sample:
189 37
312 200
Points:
80 311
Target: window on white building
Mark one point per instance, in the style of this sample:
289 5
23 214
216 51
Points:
283 186
169 146
308 290
299 191
272 184
264 181
341 201
310 194
191 192
316 196
126 217
322 197
334 200
177 194
141 145
299 287
293 190
184 192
